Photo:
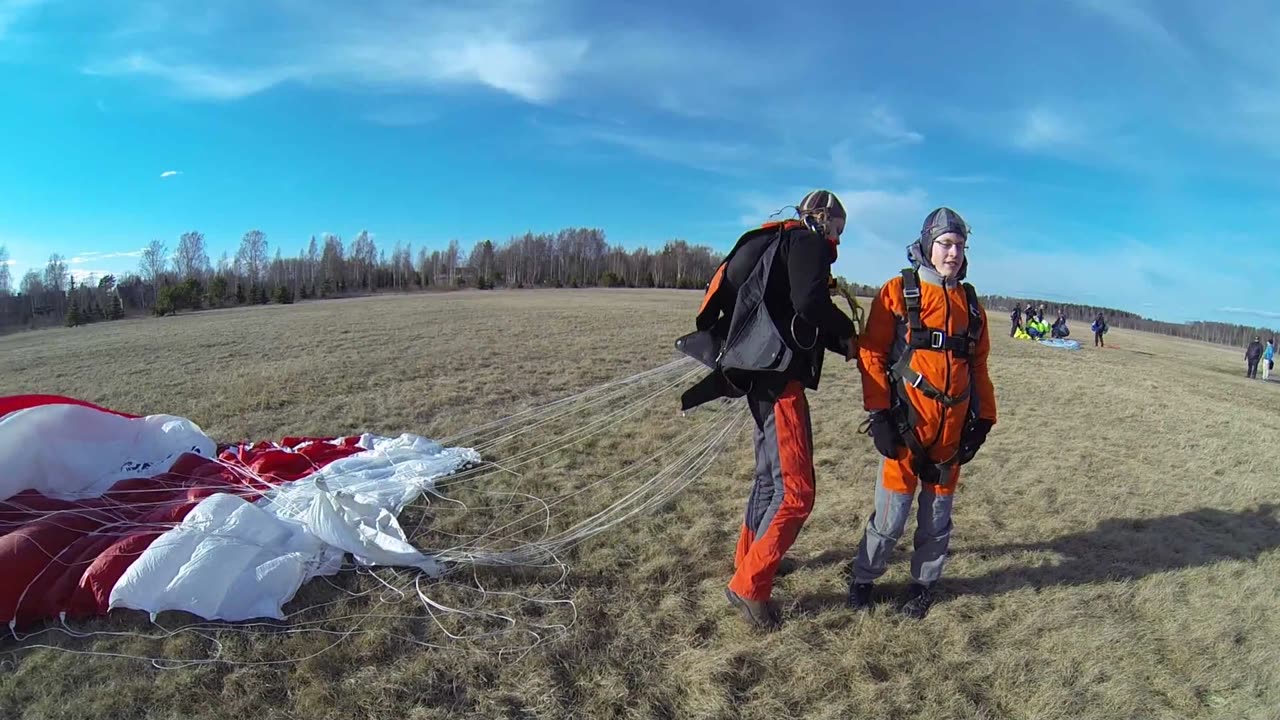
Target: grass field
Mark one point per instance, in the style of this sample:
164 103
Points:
1115 552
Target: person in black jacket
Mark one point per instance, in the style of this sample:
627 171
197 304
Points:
801 314
1015 321
1252 355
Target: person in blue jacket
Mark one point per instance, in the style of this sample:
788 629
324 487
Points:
1099 328
1268 359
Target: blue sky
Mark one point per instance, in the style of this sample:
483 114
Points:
1107 151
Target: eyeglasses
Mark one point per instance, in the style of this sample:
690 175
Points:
946 245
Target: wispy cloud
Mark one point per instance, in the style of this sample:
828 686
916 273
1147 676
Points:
718 156
886 124
1249 311
511 49
88 257
194 80
401 116
881 222
13 10
967 179
83 275
1137 18
852 164
170 173
1043 128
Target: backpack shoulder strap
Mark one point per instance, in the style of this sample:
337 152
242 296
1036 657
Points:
911 299
975 313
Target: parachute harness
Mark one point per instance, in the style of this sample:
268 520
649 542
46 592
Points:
902 411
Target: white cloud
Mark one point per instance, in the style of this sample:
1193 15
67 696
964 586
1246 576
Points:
849 166
194 80
401 116
722 157
1134 17
514 49
81 276
889 126
880 225
13 10
170 173
1044 128
87 257
1248 311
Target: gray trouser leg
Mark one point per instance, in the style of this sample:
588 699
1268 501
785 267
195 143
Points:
884 529
933 536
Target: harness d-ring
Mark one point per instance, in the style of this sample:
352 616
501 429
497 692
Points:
816 333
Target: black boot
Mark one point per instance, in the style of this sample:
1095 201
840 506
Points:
919 600
860 596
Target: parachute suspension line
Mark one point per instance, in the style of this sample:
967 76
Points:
648 496
574 435
566 440
596 428
463 437
707 445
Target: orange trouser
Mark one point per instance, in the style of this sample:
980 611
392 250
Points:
782 496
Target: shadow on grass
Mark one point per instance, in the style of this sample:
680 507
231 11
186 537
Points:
1117 549
1131 549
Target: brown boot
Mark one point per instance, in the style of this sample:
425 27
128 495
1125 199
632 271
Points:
762 614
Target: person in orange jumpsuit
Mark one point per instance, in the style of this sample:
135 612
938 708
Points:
930 401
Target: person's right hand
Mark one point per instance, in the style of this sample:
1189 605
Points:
884 435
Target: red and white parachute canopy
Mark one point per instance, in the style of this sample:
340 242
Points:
101 509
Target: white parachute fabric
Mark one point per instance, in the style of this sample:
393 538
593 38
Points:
72 452
352 503
228 560
235 560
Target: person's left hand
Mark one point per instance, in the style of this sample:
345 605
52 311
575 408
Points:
972 440
851 349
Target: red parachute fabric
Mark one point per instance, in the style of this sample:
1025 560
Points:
64 556
14 403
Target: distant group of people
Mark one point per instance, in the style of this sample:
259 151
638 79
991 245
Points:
1258 354
1031 322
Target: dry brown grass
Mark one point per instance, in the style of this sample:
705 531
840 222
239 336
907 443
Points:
1115 552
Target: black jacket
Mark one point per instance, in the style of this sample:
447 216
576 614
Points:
798 297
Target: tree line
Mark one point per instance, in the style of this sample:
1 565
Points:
186 280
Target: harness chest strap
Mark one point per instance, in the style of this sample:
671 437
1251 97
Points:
922 337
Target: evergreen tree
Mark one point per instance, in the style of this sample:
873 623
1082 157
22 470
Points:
73 312
117 307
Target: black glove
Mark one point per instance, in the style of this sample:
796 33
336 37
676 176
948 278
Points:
884 434
974 436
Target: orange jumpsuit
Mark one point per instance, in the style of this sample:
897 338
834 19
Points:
884 340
